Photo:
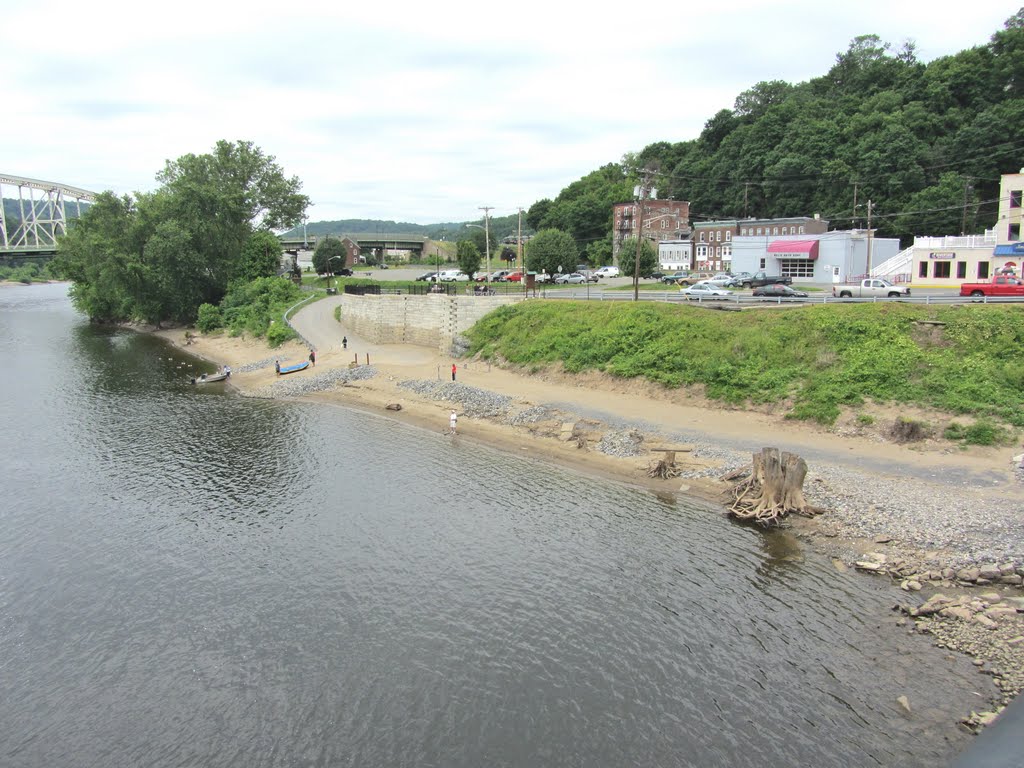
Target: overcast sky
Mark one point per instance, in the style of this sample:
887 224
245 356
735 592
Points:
417 112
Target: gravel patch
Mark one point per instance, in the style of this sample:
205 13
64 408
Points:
307 382
622 443
265 363
475 402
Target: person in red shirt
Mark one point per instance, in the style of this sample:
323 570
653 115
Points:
453 371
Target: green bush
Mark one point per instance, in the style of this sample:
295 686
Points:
278 334
981 432
210 318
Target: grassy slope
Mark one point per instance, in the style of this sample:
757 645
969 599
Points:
815 358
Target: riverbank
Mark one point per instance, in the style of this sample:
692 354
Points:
932 517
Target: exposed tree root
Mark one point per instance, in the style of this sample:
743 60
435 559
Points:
773 489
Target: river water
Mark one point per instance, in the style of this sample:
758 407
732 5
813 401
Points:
193 578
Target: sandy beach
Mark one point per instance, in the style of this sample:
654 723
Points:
943 522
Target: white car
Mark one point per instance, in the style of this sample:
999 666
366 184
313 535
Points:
607 272
705 290
453 275
721 279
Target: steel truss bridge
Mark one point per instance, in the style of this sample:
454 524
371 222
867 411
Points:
41 217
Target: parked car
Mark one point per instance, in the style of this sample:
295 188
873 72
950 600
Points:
575 278
705 291
514 277
500 275
723 279
778 290
870 288
344 272
1000 285
656 275
758 279
428 277
692 278
672 278
453 275
607 272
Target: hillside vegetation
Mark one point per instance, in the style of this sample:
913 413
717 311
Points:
925 142
811 360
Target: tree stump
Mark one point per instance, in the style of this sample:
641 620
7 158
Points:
773 490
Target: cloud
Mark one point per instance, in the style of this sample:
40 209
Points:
413 111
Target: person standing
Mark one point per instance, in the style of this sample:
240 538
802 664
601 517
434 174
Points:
453 374
277 367
344 342
312 357
453 420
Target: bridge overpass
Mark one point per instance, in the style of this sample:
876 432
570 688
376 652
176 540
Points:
42 208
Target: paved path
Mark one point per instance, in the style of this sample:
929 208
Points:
316 323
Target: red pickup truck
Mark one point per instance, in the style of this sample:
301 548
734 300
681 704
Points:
1000 285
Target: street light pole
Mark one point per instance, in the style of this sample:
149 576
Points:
487 236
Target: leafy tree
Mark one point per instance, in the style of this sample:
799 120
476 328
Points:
329 256
161 255
551 251
468 257
648 257
261 256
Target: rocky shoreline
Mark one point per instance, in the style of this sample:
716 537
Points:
949 546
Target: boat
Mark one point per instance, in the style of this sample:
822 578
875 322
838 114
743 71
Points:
293 368
209 378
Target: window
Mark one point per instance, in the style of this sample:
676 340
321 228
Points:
922 269
702 251
775 231
941 269
762 263
796 268
1015 195
726 251
961 270
1014 233
983 270
743 231
759 230
801 230
702 237
728 236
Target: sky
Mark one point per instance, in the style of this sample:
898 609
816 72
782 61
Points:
418 112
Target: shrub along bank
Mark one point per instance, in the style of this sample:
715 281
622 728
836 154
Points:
816 359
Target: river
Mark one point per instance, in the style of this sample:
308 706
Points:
193 578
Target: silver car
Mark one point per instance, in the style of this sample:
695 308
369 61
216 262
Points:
705 290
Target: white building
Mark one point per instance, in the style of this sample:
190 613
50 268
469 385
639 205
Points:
674 255
829 257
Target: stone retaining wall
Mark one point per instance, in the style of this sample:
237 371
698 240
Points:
433 320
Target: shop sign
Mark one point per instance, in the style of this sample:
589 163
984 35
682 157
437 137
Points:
942 255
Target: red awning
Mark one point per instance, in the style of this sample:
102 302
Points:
794 249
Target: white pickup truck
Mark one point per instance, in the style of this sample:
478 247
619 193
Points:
873 287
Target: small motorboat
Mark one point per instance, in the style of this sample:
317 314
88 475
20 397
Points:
293 368
210 378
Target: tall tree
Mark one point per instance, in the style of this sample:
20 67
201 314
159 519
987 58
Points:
648 257
468 257
261 256
329 255
551 251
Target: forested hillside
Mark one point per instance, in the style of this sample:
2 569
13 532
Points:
926 143
500 226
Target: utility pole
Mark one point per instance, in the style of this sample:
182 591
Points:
519 251
644 185
746 189
869 240
487 236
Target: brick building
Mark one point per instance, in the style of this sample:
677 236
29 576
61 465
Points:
663 220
